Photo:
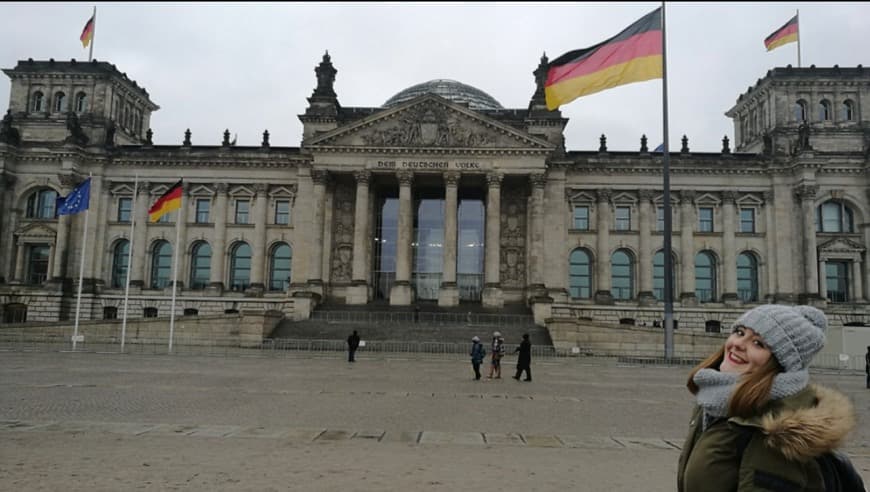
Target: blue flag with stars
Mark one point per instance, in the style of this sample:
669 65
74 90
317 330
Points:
77 201
660 148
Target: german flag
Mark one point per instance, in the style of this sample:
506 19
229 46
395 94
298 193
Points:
785 34
88 31
634 55
169 201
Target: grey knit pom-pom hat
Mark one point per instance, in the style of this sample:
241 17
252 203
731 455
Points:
794 334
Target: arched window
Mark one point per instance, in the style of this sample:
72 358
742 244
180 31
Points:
580 274
847 110
834 216
622 286
200 265
81 102
59 102
659 276
279 267
37 102
161 265
705 277
40 204
240 267
120 260
37 263
747 277
824 110
800 111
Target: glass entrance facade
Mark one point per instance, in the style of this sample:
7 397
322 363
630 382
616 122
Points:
427 243
469 254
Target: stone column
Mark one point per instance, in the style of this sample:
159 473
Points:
537 287
99 273
315 277
857 287
61 245
823 284
492 294
770 242
218 249
8 223
602 261
786 227
259 256
729 248
19 263
448 294
400 293
806 194
302 225
687 248
645 267
358 292
557 220
140 231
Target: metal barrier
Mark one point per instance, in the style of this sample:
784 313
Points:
485 319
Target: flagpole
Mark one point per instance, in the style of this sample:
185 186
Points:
93 36
81 273
798 15
178 219
666 182
129 263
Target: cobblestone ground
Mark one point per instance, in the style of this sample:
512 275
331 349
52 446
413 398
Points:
72 421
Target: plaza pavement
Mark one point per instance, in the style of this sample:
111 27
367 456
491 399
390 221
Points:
76 421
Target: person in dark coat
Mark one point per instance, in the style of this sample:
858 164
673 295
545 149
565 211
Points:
352 345
524 361
477 353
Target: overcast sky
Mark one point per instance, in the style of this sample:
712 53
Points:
250 67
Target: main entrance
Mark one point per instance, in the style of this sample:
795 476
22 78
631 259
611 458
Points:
427 241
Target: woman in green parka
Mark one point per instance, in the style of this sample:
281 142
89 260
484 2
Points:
758 423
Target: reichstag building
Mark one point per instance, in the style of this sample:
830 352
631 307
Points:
439 195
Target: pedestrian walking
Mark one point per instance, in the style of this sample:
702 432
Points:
478 353
352 345
758 423
524 361
497 353
867 366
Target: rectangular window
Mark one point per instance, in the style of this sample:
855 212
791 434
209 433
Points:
581 217
282 212
747 220
705 219
125 209
164 219
660 219
837 280
243 208
623 218
202 209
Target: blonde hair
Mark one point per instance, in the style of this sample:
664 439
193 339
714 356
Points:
753 387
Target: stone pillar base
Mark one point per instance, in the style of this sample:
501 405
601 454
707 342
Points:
785 298
303 304
559 294
535 290
646 298
603 297
401 294
492 296
358 293
813 299
448 294
542 309
315 286
255 290
688 299
731 300
214 289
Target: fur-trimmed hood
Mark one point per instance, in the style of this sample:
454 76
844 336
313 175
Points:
809 424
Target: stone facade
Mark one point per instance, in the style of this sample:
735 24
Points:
783 218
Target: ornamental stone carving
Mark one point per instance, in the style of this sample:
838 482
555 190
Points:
729 196
646 195
806 192
221 188
320 177
687 196
451 178
342 233
493 180
362 176
261 188
405 177
512 267
767 196
538 180
69 180
604 195
428 126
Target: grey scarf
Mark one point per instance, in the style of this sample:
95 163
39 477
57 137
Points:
715 388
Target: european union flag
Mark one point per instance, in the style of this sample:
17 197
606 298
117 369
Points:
77 201
660 148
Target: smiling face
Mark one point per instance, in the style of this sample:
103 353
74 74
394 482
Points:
744 351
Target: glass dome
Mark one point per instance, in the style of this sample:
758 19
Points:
450 90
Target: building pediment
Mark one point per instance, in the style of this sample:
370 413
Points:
35 231
429 121
841 245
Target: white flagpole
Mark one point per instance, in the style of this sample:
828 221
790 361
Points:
81 270
93 36
129 263
178 218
